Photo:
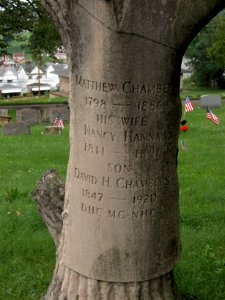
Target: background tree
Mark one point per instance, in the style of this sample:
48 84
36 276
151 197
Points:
17 17
206 53
217 50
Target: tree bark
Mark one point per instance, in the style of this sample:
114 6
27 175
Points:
120 234
49 197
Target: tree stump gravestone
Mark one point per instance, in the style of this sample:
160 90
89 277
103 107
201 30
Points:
120 236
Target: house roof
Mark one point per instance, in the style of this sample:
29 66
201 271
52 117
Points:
4 70
35 86
10 88
30 66
63 72
59 69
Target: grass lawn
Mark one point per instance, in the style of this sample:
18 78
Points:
27 251
201 169
32 100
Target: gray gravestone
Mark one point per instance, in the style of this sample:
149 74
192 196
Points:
210 101
15 129
50 114
27 115
4 112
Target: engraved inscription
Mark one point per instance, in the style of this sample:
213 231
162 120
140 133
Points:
142 214
105 87
126 87
144 199
95 102
136 137
119 168
93 149
134 121
92 195
92 210
151 105
142 88
100 134
150 152
103 119
78 174
118 119
135 184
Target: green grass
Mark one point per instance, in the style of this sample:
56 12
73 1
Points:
27 251
32 100
201 169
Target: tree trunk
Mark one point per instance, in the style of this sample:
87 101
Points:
120 235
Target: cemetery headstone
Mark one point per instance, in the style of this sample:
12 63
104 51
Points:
15 129
50 114
5 119
3 112
50 130
27 115
210 101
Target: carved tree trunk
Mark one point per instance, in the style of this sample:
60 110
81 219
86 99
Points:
120 235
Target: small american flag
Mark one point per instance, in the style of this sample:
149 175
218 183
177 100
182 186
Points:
58 122
188 105
212 117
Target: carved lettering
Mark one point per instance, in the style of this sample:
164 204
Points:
95 102
113 214
103 119
137 137
135 184
150 152
142 88
144 199
134 121
78 174
151 105
91 210
99 134
94 149
140 215
143 214
106 181
119 168
106 87
92 195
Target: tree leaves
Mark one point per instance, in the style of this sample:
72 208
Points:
17 16
206 53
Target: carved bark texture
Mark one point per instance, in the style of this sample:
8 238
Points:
49 197
67 284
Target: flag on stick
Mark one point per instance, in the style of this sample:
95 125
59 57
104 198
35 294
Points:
212 117
58 122
188 105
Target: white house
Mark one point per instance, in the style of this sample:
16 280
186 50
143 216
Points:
25 78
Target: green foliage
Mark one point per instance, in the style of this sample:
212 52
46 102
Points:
207 55
26 249
217 50
33 100
201 270
12 194
17 16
